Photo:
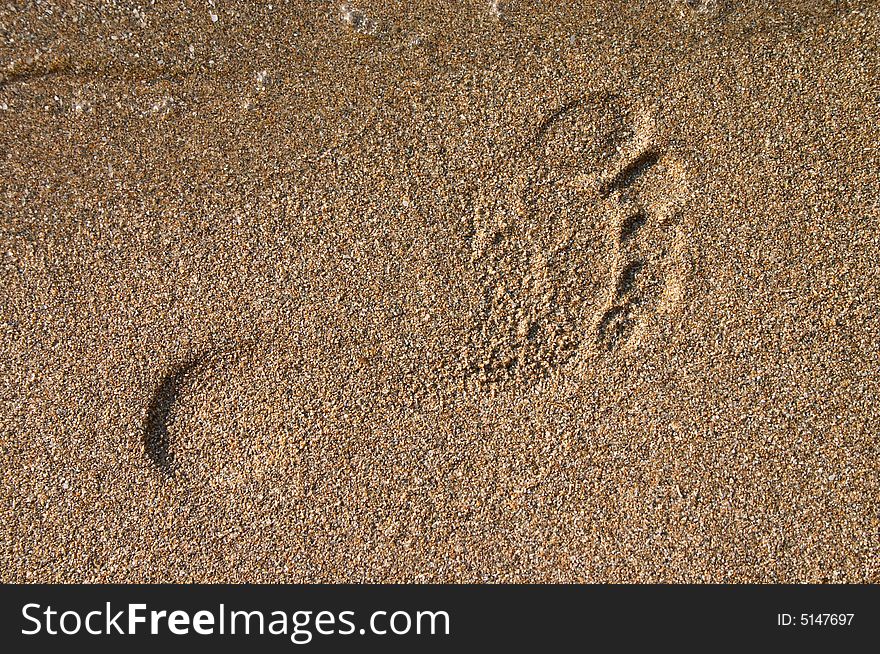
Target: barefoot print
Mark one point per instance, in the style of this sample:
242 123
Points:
574 247
222 422
590 198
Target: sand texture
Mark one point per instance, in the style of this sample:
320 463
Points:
440 291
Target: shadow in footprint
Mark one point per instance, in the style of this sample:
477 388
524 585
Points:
632 224
628 176
157 442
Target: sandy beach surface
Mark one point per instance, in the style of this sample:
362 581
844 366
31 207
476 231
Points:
440 291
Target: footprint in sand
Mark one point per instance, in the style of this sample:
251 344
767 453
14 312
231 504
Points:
575 247
224 422
582 221
240 420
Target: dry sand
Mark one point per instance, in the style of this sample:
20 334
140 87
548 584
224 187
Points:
435 291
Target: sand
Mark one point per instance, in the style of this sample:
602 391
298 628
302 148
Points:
440 292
